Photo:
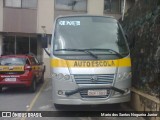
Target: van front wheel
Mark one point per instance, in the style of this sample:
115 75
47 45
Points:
58 107
42 79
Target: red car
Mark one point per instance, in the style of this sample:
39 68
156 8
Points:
21 70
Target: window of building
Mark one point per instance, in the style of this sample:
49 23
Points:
19 45
29 3
21 3
113 6
22 45
71 5
13 3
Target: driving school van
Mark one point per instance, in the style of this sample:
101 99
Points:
90 61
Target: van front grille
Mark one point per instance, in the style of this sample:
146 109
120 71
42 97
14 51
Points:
94 79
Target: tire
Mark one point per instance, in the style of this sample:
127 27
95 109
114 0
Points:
58 107
0 89
33 86
42 79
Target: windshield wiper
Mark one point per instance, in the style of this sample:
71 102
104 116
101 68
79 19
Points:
108 50
80 50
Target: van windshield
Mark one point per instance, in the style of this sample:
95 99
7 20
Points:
93 33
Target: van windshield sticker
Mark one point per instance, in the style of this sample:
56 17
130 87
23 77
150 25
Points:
70 23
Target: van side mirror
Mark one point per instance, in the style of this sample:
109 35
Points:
44 41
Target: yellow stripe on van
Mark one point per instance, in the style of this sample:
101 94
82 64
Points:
125 62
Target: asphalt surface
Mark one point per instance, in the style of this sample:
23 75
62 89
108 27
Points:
19 99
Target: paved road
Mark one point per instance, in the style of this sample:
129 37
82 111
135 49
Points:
20 99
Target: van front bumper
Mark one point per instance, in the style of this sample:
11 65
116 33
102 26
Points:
120 97
111 100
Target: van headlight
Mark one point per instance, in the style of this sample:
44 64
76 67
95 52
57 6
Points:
123 76
61 76
66 77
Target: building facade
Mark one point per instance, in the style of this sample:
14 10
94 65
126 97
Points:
23 22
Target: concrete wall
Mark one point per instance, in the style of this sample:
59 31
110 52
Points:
1 15
46 61
95 7
39 49
19 20
45 15
47 65
143 102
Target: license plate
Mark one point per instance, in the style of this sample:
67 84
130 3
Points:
97 92
10 79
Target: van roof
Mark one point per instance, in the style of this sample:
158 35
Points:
84 15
